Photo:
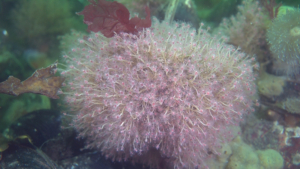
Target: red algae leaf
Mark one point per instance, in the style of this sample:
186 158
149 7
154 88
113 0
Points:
142 23
112 17
270 5
42 82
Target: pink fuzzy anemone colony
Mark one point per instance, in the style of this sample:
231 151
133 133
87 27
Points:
170 89
167 90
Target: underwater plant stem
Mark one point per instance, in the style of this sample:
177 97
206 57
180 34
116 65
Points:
171 10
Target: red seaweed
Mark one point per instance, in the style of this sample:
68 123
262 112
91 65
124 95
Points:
270 5
112 17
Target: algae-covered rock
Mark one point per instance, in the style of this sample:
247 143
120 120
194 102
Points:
222 158
225 153
270 159
291 105
296 159
270 85
243 156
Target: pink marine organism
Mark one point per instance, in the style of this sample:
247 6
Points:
112 17
168 91
165 96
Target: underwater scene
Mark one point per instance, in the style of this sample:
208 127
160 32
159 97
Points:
149 84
